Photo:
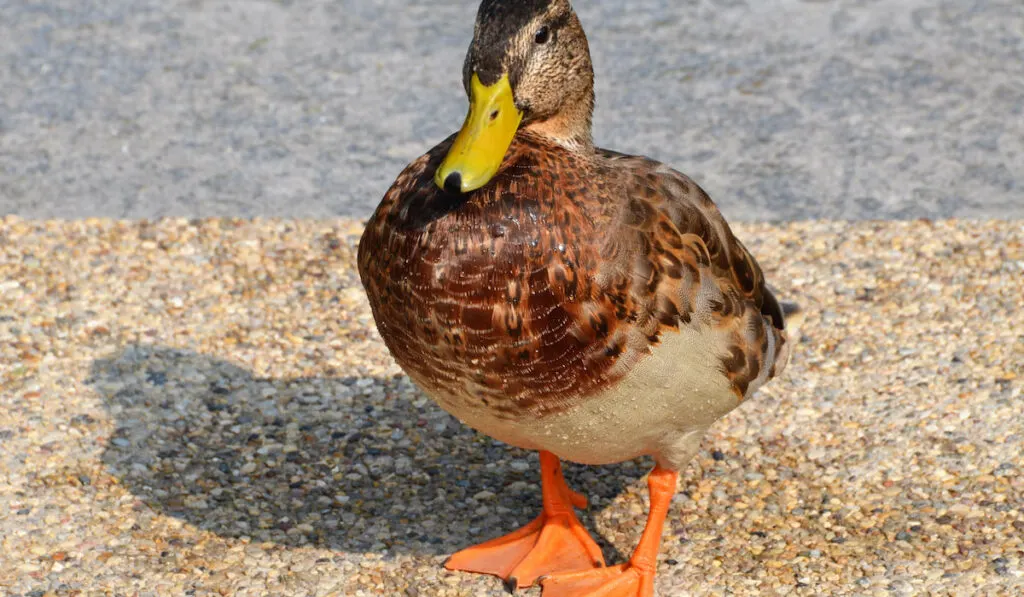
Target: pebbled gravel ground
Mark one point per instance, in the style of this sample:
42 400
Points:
203 408
783 109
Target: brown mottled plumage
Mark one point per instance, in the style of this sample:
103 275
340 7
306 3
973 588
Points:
557 277
588 304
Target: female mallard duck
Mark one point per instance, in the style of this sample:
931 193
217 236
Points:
564 298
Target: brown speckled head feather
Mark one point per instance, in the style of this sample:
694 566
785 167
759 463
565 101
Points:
552 281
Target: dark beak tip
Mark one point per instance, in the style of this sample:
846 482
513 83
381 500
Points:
453 183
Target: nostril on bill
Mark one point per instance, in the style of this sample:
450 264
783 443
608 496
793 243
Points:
453 183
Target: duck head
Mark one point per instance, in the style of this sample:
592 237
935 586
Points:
528 67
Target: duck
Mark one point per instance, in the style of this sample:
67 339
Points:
586 304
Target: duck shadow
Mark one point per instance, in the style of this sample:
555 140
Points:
353 463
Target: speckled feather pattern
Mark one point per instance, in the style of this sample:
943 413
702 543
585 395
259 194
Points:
550 283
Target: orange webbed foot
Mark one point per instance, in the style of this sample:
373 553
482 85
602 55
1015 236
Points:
622 580
634 578
555 542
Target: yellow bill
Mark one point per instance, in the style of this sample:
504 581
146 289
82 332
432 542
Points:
480 146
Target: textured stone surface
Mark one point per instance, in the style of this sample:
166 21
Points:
783 109
205 408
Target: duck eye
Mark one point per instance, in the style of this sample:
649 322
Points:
542 36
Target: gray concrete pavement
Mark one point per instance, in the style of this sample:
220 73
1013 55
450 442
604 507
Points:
783 109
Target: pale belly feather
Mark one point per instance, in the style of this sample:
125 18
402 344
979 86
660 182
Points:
661 408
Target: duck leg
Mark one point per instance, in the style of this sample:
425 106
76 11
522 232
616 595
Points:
632 579
553 543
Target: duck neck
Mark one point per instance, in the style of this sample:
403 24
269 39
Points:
570 127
